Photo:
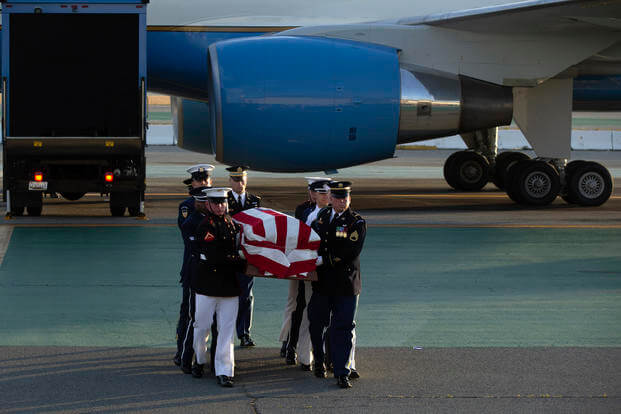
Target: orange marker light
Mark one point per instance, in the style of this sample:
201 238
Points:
38 176
109 177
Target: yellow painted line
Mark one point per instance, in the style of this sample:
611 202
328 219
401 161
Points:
501 226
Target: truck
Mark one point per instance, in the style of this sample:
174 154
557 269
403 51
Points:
74 103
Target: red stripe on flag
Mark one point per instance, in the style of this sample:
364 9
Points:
303 234
254 222
281 226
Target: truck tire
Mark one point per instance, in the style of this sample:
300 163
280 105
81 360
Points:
117 211
133 211
34 210
17 210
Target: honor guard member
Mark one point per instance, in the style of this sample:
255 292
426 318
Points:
300 214
199 177
216 287
240 200
188 230
335 293
299 335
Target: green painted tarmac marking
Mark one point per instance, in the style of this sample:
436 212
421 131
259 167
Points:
444 287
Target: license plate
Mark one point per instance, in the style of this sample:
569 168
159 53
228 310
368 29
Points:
37 185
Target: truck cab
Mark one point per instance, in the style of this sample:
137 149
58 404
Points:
74 102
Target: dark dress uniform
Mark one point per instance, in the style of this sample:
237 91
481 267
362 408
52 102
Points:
215 284
186 337
246 299
335 294
186 208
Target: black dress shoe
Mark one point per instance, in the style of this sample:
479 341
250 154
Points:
225 381
353 374
292 358
246 341
305 367
187 369
283 349
177 359
320 371
197 370
330 367
343 381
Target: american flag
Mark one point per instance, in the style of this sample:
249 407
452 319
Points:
277 244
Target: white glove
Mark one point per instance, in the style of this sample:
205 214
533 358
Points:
319 261
241 254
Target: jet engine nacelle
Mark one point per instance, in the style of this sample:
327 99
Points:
309 104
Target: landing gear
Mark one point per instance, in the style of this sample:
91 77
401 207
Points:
533 182
466 170
538 183
588 183
504 161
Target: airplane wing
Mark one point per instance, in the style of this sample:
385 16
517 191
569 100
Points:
549 16
517 44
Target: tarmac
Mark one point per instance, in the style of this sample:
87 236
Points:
470 303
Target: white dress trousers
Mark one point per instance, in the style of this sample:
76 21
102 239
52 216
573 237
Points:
226 311
304 345
289 308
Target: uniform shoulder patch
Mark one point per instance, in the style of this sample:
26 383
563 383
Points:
354 236
185 211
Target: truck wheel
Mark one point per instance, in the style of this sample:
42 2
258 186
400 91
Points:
72 196
117 211
17 210
133 211
34 210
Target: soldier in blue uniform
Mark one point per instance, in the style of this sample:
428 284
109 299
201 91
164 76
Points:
239 200
199 177
335 294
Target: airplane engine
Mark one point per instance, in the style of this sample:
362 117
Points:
310 104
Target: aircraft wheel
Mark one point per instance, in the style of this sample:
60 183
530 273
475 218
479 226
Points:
590 184
511 184
569 170
449 170
536 183
504 161
469 171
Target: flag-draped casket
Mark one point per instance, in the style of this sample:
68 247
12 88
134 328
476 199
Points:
277 245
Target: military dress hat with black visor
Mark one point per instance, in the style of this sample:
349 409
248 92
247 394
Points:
311 180
340 189
199 193
237 172
320 187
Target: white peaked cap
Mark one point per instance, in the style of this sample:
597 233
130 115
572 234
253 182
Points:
313 179
219 192
200 168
